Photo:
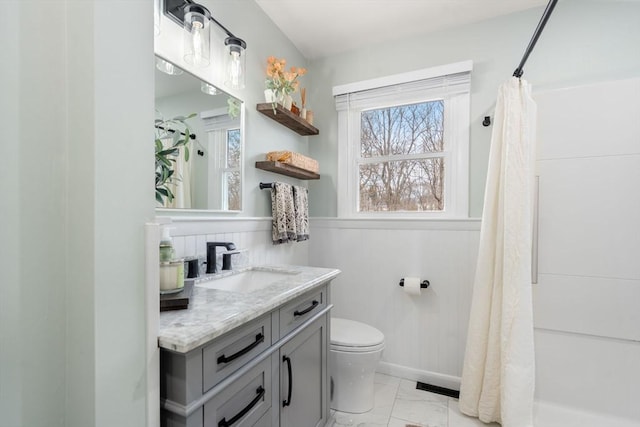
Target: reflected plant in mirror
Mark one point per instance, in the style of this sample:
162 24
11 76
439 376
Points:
208 165
172 152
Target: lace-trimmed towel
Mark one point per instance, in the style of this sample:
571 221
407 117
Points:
290 210
283 228
301 205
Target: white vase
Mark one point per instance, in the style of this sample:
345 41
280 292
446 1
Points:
287 101
269 96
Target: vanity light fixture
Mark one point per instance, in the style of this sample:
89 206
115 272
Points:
196 35
167 67
208 89
196 19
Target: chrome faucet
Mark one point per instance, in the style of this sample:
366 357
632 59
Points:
211 256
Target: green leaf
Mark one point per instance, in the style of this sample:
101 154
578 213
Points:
168 152
186 153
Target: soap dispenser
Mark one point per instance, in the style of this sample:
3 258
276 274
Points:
166 246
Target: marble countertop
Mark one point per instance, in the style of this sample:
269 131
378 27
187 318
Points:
213 312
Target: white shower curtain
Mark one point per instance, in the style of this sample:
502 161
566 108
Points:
498 373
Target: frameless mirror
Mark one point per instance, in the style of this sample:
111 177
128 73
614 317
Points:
199 143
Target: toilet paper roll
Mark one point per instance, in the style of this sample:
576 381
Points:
412 285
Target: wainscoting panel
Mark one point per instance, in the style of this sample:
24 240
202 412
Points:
425 333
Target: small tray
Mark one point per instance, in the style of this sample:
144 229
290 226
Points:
177 301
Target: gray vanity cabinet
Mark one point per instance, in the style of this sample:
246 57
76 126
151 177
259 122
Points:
303 377
243 377
244 402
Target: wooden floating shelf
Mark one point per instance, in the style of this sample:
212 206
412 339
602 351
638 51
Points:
287 119
286 169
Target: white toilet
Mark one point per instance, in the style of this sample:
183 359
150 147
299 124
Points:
356 349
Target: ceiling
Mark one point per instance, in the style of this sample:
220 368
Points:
320 28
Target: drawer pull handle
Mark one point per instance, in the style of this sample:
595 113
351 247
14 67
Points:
225 359
313 305
224 423
287 402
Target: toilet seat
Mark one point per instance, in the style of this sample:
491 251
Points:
355 337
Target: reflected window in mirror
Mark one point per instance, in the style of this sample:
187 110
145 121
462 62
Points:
210 177
224 140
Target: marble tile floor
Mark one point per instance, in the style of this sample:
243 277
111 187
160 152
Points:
399 404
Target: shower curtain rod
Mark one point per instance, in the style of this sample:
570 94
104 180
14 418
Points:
543 21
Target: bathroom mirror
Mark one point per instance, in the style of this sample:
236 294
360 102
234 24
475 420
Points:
209 175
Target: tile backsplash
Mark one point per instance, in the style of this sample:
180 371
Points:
252 237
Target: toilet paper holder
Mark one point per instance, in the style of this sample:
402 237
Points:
423 284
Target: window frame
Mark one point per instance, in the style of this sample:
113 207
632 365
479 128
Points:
226 170
410 88
217 123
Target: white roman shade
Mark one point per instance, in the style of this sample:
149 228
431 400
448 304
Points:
432 83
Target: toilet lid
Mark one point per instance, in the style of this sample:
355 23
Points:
349 333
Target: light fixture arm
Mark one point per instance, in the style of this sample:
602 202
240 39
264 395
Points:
174 9
222 26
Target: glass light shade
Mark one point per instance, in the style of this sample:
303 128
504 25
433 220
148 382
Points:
167 67
235 59
208 89
197 34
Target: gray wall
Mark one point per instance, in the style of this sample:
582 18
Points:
584 41
76 110
78 104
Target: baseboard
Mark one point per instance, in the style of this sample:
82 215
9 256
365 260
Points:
440 380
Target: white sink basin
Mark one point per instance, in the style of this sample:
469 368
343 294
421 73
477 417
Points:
248 281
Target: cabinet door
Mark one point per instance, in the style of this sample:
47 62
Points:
303 378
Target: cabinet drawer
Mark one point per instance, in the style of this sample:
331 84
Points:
231 351
244 402
265 420
299 310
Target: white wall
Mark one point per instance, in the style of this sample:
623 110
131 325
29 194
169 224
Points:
425 335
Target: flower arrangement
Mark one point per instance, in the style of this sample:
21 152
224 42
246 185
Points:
280 81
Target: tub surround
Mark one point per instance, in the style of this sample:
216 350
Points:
213 312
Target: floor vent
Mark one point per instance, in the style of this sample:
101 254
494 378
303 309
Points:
439 390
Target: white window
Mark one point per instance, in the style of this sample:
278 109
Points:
404 144
231 173
224 163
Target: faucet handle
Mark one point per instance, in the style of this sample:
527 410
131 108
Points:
229 245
